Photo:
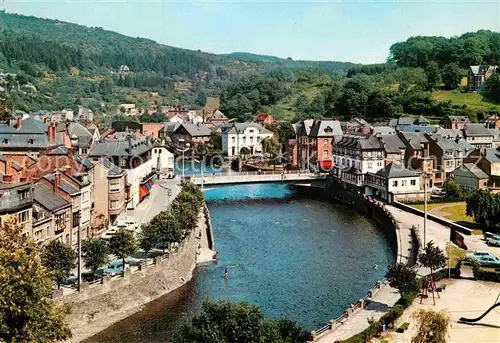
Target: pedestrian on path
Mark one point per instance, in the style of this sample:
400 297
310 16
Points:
225 273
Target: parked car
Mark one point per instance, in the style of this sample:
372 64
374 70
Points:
493 240
115 267
478 254
489 261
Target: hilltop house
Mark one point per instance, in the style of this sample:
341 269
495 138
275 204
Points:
478 75
456 122
478 135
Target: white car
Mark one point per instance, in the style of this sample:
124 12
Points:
493 240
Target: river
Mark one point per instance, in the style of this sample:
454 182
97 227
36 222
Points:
293 256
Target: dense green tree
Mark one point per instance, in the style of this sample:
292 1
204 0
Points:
451 76
245 152
27 312
94 253
59 259
484 206
433 75
432 326
216 143
452 189
201 98
148 237
123 244
226 322
493 86
402 277
432 257
106 86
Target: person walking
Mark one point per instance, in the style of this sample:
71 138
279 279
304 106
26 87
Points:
225 273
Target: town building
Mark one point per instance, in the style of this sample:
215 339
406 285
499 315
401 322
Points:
244 135
85 114
315 140
215 118
477 75
355 125
393 146
16 201
185 135
417 156
67 114
51 215
356 155
264 119
470 177
449 154
456 122
478 135
111 195
81 138
164 160
133 155
394 182
29 135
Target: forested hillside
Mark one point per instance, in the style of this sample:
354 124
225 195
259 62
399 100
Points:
58 65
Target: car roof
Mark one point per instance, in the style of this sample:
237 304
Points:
481 252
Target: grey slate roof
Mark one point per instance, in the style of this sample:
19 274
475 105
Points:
392 143
476 171
40 214
401 121
326 128
450 133
60 150
476 130
415 139
87 163
66 187
120 147
396 170
43 195
453 145
492 155
31 135
361 142
241 127
459 119
197 130
417 128
113 169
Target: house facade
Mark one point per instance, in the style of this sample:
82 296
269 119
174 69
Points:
456 122
244 135
356 155
165 160
315 142
449 154
185 135
394 183
133 155
470 177
477 76
478 135
16 201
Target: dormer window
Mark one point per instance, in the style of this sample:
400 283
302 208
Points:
31 141
5 141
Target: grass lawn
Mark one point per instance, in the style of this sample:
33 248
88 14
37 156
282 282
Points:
472 100
454 211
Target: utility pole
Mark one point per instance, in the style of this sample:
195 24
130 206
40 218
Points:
425 207
79 240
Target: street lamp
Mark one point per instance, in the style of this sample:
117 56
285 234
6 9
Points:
201 172
183 151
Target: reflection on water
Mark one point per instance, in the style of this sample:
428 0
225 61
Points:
292 256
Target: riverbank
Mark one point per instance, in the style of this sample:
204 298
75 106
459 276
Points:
97 307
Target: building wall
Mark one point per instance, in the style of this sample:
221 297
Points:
151 129
481 141
251 138
134 177
164 159
404 185
44 232
117 197
27 228
100 195
468 181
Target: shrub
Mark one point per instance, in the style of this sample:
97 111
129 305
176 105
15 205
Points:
486 275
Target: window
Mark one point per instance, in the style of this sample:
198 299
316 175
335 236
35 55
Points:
413 182
370 165
86 196
31 141
60 222
403 183
458 163
325 142
24 216
76 219
114 186
379 164
343 161
39 235
325 153
5 141
123 162
114 204
369 154
258 139
394 183
25 195
83 151
233 139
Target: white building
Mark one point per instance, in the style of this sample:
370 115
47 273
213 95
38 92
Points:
244 135
394 183
356 155
164 160
67 114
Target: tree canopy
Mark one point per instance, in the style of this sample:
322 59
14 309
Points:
27 313
402 277
59 259
226 322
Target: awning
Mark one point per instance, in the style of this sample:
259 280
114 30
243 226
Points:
143 191
325 164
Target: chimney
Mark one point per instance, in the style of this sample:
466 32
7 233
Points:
68 169
52 134
19 123
57 180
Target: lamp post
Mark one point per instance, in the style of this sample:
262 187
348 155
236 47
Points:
183 151
79 242
201 172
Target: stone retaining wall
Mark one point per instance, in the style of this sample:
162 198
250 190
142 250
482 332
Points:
98 306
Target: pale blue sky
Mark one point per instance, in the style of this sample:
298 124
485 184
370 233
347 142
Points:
356 31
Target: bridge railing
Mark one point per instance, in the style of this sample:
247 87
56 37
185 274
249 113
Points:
265 172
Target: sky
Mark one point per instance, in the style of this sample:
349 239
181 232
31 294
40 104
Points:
354 31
